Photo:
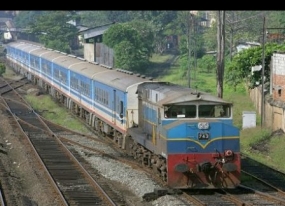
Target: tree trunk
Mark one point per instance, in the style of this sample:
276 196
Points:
220 51
231 44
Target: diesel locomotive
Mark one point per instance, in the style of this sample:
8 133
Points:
186 136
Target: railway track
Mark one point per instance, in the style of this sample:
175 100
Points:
272 181
72 184
5 186
240 196
269 176
268 189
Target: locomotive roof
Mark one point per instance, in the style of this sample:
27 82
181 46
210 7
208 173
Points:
117 78
173 93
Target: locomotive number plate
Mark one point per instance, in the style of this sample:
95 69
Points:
203 136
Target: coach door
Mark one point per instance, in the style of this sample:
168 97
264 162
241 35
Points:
115 100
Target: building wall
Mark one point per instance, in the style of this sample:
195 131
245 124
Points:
274 101
89 53
104 55
278 76
100 53
273 115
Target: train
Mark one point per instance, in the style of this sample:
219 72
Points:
185 136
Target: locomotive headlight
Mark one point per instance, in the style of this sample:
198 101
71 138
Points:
229 153
203 125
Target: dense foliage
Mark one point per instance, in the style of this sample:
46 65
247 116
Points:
93 18
26 18
239 69
53 30
132 43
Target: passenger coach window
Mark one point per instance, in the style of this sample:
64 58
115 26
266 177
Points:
101 96
74 83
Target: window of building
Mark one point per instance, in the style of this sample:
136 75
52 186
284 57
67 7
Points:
279 92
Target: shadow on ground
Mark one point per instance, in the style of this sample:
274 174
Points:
157 69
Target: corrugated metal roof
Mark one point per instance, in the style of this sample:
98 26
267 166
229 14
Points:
178 94
95 31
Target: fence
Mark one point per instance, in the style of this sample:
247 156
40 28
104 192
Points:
274 110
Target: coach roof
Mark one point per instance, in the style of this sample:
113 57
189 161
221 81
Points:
112 77
117 78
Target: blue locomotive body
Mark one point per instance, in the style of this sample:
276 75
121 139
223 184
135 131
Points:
194 133
187 137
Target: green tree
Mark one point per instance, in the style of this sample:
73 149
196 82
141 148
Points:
145 38
162 24
239 70
119 16
93 18
188 28
210 37
276 19
25 18
132 43
129 59
242 26
54 31
207 64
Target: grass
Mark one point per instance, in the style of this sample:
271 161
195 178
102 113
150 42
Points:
160 58
52 111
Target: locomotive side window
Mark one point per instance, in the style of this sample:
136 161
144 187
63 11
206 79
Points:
214 111
180 111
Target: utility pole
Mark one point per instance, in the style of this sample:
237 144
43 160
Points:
262 76
189 48
220 52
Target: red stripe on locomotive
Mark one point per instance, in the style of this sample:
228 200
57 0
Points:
204 170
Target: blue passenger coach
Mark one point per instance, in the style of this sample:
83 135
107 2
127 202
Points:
104 96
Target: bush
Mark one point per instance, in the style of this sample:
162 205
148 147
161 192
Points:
2 69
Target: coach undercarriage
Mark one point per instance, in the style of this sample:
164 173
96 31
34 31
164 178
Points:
138 152
96 123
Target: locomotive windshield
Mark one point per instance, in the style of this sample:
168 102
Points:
203 111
